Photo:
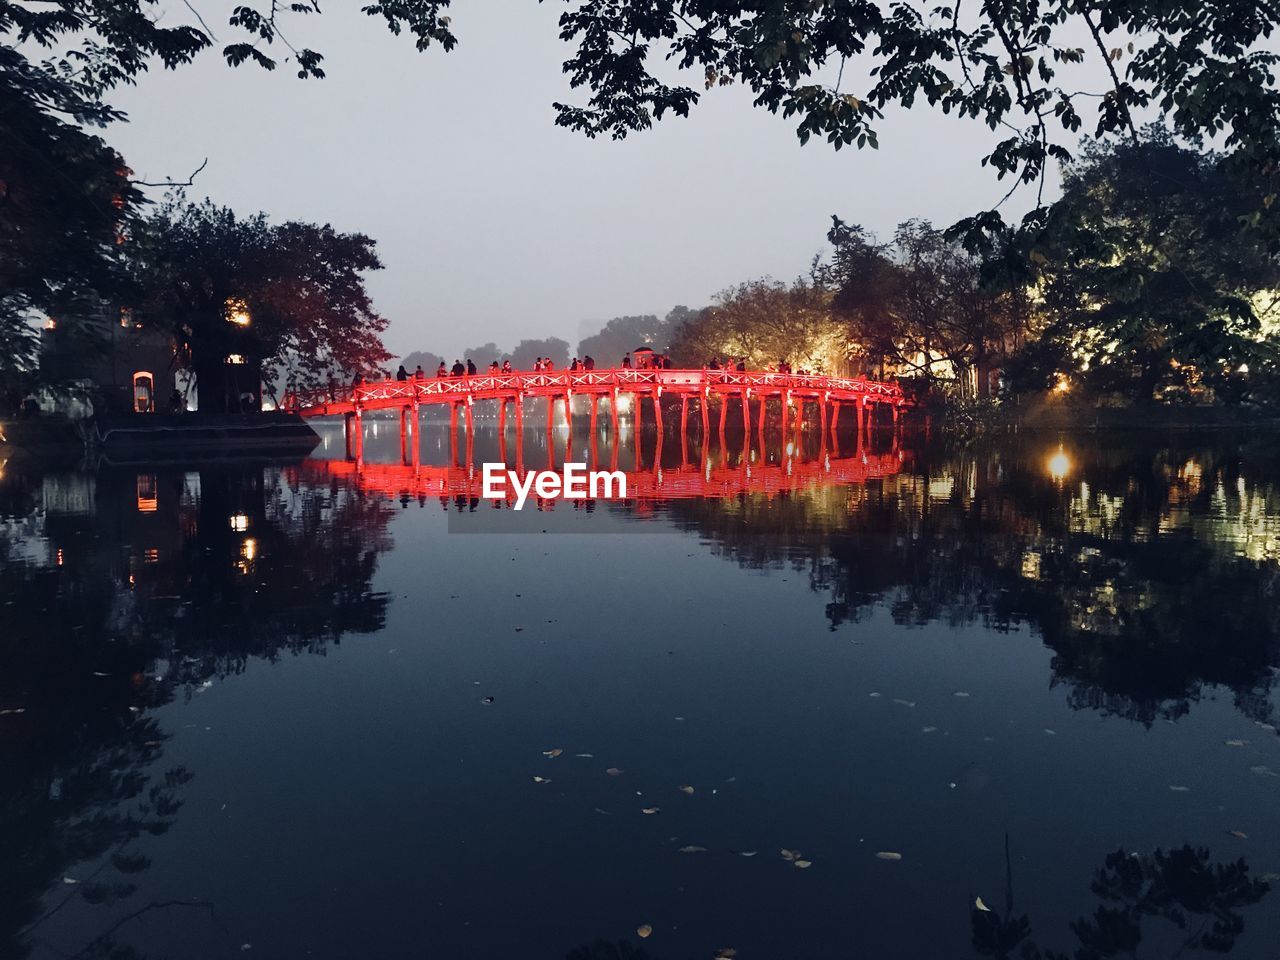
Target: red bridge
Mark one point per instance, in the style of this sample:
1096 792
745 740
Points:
828 393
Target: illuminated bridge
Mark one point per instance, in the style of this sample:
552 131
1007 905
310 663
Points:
828 394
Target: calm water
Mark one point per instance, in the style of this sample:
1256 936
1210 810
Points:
959 706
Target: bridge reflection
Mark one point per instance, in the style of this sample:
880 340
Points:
657 466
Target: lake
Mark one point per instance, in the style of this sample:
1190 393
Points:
900 699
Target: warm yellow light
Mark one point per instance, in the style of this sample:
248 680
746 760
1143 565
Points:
249 549
50 323
238 312
239 522
1063 385
1059 464
235 358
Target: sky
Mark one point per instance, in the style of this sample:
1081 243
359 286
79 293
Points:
496 225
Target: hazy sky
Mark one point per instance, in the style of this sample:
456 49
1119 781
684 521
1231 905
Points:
493 223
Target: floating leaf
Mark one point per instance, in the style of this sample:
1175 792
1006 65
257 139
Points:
928 729
904 703
613 771
587 755
693 848
1262 770
802 864
1178 788
541 780
1235 743
961 693
554 752
978 904
487 700
747 853
1238 834
643 931
789 854
889 855
648 810
686 789
726 953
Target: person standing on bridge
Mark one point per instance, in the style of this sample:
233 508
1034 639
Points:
537 365
742 364
588 362
573 367
458 369
506 366
626 362
471 367
547 364
418 374
442 370
493 367
402 373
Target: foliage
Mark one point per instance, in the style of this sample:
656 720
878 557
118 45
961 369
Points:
302 285
1018 67
423 358
64 197
527 351
925 305
765 321
624 334
1151 273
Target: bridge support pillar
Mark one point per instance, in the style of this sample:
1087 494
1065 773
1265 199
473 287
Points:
706 425
354 424
746 414
613 420
657 412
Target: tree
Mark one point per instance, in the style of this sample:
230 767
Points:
1152 272
297 289
64 199
622 335
429 361
925 305
765 321
1018 67
527 351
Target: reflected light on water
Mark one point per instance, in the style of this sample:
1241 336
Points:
1059 465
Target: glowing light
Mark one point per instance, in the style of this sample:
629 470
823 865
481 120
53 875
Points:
239 522
238 312
235 358
249 549
1063 385
1059 465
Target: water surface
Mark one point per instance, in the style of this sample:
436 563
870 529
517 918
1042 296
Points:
977 703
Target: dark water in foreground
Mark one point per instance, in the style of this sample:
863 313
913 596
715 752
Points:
964 707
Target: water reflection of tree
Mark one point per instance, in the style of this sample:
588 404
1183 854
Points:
119 591
1199 900
1151 573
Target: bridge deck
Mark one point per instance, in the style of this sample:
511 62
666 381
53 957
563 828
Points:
398 394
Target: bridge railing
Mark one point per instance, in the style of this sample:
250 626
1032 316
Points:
542 382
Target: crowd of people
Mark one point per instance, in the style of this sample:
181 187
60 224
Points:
644 360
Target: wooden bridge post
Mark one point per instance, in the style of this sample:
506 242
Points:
760 430
706 426
746 413
468 418
502 417
404 434
416 447
613 420
657 410
822 424
835 428
684 430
